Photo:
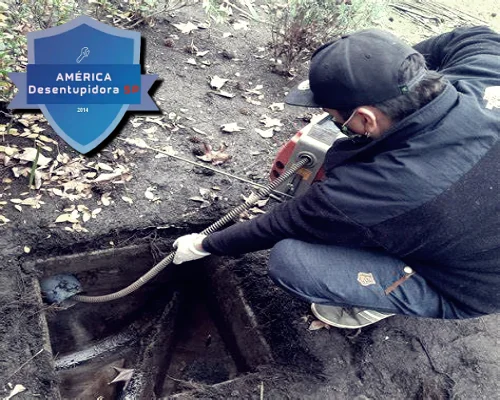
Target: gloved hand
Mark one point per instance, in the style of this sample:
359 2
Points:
189 248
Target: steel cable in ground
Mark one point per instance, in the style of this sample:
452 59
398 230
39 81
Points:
230 216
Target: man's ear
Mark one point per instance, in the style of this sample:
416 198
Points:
370 121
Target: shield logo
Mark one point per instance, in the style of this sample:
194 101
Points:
366 278
88 49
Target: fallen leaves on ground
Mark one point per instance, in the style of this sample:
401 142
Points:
150 130
16 390
232 127
150 195
33 202
216 157
224 94
255 210
206 197
124 375
186 28
315 325
270 122
217 83
277 106
137 142
127 200
266 134
256 91
106 199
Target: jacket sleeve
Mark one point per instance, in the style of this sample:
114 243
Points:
312 218
465 52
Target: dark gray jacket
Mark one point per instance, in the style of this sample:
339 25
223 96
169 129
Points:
426 192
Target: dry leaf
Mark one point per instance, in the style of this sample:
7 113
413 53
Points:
315 325
18 208
90 175
256 210
108 177
27 249
82 208
202 53
38 179
215 157
105 167
106 199
199 131
58 192
149 194
17 389
3 220
137 142
8 150
256 90
169 150
95 212
248 99
186 28
124 375
46 139
262 203
268 133
29 154
277 106
217 82
224 94
156 120
66 218
270 122
151 130
191 61
127 200
137 122
232 127
86 216
198 198
34 202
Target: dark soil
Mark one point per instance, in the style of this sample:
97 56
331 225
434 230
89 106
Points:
399 358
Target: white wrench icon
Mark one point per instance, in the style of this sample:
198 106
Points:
84 53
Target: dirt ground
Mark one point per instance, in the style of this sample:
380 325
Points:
398 358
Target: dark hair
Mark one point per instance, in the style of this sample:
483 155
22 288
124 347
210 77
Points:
429 87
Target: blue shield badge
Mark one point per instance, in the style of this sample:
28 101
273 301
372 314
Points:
84 76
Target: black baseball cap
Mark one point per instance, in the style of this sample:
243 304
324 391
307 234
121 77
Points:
357 69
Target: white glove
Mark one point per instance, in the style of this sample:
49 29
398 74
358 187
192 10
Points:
189 248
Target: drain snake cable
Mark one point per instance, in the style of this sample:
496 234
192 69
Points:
230 216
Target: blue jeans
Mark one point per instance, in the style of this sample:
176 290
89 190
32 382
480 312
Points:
354 277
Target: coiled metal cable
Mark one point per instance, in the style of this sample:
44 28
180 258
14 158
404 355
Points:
230 216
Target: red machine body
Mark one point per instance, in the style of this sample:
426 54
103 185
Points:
312 141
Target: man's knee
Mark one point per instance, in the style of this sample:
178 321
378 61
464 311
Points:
283 267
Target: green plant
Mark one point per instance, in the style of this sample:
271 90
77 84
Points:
218 10
128 14
300 26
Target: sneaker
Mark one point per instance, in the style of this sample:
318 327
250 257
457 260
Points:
347 318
